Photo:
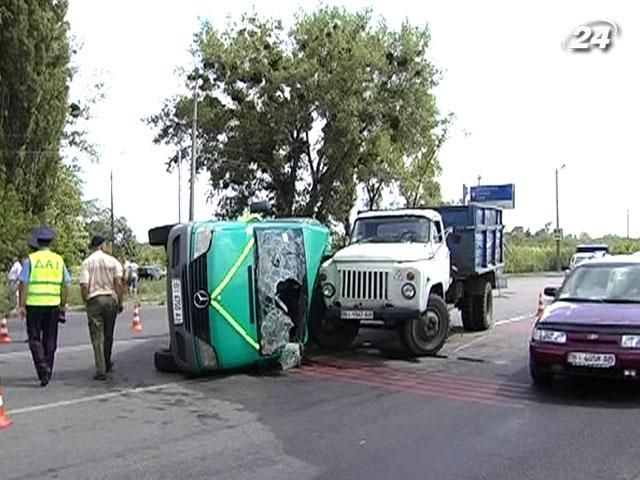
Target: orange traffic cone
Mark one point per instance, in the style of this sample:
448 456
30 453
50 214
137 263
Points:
5 421
540 309
4 331
137 324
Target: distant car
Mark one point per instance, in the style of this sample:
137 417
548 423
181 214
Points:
593 325
151 272
580 257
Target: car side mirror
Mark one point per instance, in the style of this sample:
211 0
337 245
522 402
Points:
551 292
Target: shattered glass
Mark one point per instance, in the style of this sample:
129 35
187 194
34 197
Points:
281 279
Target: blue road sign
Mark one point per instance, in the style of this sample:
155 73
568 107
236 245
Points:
497 195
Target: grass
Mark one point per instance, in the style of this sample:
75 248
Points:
149 291
535 258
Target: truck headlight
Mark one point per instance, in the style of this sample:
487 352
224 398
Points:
551 336
408 291
328 290
202 241
630 341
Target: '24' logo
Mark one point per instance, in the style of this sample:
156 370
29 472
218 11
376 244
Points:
599 33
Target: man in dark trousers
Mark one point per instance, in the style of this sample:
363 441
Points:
102 291
44 283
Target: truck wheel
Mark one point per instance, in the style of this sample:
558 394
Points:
164 362
483 308
330 333
426 335
477 310
466 312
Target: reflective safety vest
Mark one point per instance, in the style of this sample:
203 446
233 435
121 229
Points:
46 273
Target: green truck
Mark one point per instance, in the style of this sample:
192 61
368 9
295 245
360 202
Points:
240 292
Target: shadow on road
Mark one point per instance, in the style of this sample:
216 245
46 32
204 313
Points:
592 392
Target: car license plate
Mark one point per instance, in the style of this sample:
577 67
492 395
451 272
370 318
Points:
597 360
356 314
176 294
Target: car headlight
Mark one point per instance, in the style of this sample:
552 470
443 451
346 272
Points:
328 290
552 336
202 241
408 291
208 357
630 341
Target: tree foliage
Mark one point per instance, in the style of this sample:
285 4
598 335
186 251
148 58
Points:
535 252
97 220
303 117
37 123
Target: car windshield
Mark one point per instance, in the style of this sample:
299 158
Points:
603 283
391 229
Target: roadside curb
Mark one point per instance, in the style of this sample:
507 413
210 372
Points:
536 274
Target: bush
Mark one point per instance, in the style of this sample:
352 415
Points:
535 258
148 291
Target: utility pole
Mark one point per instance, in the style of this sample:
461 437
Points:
113 237
192 180
179 185
627 223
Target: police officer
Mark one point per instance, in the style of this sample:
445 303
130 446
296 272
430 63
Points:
44 282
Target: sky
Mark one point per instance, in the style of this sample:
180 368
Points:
524 106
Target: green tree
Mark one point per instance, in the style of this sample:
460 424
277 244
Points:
303 117
417 174
34 75
97 220
37 186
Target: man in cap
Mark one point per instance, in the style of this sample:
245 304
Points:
102 291
44 284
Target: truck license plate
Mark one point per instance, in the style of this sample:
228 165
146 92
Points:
176 295
597 360
356 314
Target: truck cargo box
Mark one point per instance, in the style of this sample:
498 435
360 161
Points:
477 240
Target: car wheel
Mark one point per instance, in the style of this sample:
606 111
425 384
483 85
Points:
427 334
330 333
540 379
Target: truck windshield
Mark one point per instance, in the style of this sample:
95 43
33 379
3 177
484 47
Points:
391 229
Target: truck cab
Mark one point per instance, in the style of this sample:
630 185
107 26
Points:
393 273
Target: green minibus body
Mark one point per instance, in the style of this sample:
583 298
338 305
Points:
239 292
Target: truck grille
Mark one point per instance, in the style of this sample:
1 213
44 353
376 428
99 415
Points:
364 284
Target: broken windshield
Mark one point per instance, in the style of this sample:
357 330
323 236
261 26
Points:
281 284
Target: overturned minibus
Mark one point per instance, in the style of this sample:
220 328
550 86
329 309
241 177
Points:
239 292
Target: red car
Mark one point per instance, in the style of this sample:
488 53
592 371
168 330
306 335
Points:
593 325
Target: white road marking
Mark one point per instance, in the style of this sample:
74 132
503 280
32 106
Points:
468 344
75 348
498 323
92 398
514 319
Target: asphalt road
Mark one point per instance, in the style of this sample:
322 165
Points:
367 413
